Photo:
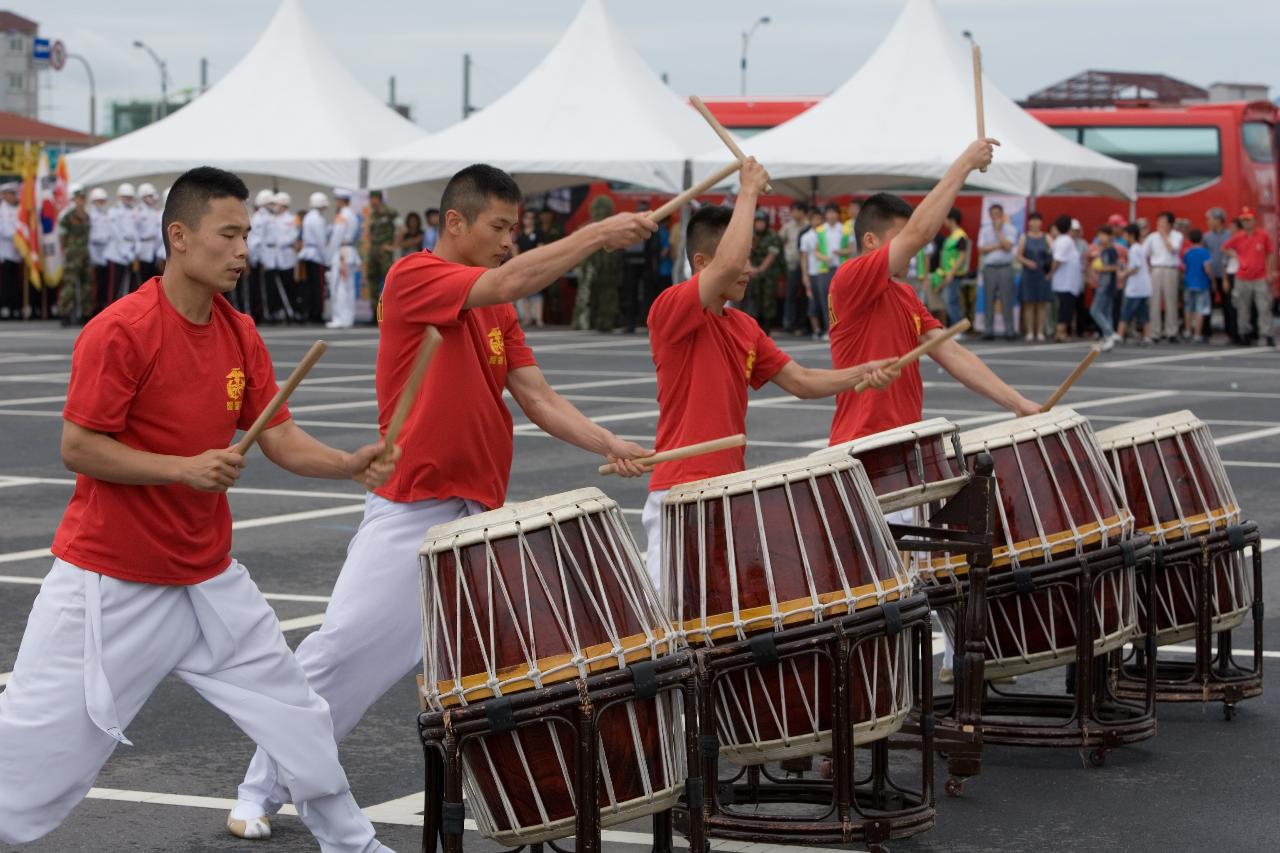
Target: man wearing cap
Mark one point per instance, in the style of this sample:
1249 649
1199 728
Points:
766 255
284 232
380 238
1252 247
11 274
344 261
315 241
122 243
147 217
74 304
249 288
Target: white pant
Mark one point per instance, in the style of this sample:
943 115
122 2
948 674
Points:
372 632
342 289
94 650
651 518
911 516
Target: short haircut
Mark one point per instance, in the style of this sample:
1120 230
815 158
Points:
999 207
797 204
877 215
954 215
706 227
1133 230
831 207
1035 214
472 190
1105 229
1062 223
190 196
1195 235
431 210
1168 216
1218 214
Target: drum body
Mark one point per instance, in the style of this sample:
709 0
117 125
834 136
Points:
530 595
911 465
789 544
1169 472
1054 500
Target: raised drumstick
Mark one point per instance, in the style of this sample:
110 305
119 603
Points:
724 135
1094 352
308 361
923 349
694 191
430 343
977 93
685 452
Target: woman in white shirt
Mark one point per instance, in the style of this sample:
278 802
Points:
1065 276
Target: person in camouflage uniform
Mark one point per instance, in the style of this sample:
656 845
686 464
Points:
380 250
766 272
75 293
596 306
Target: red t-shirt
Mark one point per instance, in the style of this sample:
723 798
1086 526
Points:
1252 250
705 361
457 438
153 380
872 317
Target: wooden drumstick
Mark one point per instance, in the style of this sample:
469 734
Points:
923 349
977 93
1094 352
694 191
685 452
430 343
724 135
308 361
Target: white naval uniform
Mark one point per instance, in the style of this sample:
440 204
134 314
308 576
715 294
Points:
96 647
315 238
8 229
99 235
122 249
348 664
259 238
284 230
147 219
342 249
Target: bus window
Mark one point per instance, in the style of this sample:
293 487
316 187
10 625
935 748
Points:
1071 133
1257 141
1169 159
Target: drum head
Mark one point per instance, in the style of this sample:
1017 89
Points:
920 429
824 462
1016 430
1149 429
506 521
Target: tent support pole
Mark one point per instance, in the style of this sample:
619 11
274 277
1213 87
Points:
364 173
1031 200
677 263
813 189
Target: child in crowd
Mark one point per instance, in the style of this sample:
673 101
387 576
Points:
1106 266
1197 265
1136 283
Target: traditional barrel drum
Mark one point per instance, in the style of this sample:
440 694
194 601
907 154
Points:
1168 470
533 594
1055 500
911 465
784 545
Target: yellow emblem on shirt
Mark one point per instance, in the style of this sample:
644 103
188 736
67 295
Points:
751 363
235 389
919 324
497 346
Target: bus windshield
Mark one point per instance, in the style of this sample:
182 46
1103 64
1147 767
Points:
1257 141
1169 159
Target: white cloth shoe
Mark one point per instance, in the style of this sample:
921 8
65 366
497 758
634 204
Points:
247 820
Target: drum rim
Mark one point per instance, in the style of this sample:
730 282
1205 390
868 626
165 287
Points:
1142 431
1007 433
886 438
769 476
508 520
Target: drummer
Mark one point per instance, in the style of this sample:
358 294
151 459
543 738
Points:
457 440
707 354
875 315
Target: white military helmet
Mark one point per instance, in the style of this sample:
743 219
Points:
74 190
97 194
125 191
263 198
146 191
318 200
165 196
282 198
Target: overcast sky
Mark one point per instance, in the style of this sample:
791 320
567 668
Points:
809 48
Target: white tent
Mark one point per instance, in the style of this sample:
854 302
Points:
288 110
592 109
905 116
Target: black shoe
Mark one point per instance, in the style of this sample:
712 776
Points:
988 337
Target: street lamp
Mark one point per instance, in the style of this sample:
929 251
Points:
164 81
746 39
93 96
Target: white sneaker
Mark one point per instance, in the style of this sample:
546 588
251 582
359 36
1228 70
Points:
247 820
1107 343
946 676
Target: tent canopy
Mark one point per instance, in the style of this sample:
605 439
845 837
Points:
905 116
315 131
592 109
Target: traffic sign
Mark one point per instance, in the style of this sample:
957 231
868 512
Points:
57 55
40 51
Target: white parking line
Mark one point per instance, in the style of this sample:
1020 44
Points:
24 401
1185 356
301 622
1246 436
11 481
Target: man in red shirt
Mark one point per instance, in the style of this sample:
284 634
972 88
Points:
875 316
144 583
1253 249
458 439
706 354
